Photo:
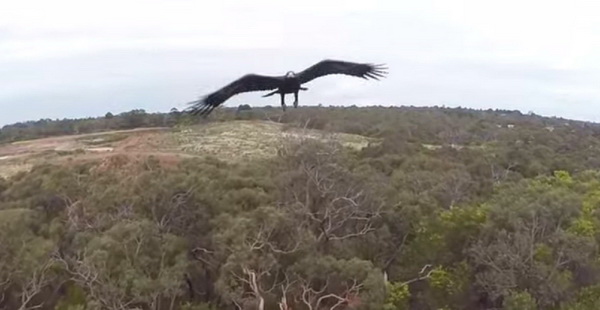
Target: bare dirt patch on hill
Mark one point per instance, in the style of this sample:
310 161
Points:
231 141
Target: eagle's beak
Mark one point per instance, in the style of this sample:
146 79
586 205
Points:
303 88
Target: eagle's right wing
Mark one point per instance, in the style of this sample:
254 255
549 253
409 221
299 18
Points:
247 83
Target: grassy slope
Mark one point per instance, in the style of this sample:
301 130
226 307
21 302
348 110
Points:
231 140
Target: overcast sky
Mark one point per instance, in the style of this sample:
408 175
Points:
74 58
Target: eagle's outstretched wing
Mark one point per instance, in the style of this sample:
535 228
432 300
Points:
247 83
325 67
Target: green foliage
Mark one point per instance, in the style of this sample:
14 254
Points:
449 286
563 177
588 298
445 209
397 297
74 299
520 301
585 227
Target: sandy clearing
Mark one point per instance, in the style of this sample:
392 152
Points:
232 141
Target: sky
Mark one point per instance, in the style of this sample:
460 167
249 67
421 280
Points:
74 58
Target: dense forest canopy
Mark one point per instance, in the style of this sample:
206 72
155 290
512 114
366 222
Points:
449 208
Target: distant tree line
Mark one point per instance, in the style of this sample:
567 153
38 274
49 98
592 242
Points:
47 127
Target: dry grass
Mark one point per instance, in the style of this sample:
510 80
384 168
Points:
8 170
236 140
232 141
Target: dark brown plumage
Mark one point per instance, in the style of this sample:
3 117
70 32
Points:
286 84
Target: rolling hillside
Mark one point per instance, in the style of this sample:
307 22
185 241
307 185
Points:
319 208
233 141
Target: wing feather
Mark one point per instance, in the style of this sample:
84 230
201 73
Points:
328 66
247 83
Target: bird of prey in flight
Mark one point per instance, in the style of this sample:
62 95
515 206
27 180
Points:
290 83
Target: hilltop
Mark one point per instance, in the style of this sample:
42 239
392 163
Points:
233 141
254 133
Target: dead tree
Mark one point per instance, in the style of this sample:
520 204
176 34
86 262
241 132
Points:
321 194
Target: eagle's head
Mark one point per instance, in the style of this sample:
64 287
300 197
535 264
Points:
290 74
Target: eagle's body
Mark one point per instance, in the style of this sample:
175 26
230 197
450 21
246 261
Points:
290 83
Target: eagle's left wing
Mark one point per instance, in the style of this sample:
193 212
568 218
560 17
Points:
326 67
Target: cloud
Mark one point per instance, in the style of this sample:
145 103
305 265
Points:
68 58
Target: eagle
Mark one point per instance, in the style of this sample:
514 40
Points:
290 83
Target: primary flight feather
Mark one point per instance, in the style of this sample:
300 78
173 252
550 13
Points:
286 84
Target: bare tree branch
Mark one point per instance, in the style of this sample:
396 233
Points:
422 275
37 282
316 299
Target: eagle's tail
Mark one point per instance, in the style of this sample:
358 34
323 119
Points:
271 93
